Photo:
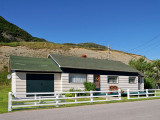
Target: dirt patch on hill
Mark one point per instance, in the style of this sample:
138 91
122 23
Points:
6 51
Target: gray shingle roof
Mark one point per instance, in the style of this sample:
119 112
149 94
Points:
91 63
33 64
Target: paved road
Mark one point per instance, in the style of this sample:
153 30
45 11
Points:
142 110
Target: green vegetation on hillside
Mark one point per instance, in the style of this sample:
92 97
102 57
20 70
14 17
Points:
89 45
150 69
49 45
11 33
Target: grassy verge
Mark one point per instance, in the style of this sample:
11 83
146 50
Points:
4 98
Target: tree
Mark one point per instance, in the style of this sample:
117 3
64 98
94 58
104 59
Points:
146 68
156 74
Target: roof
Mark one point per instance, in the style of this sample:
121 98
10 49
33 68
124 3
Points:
33 64
91 63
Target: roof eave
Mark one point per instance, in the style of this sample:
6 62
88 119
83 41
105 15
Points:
54 60
36 70
97 69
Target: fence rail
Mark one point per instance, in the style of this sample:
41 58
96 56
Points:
59 98
62 98
147 93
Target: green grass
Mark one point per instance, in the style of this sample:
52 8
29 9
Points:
4 98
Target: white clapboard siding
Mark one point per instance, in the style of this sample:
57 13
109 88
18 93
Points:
90 78
103 83
123 83
57 82
19 83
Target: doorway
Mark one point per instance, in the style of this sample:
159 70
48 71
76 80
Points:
97 82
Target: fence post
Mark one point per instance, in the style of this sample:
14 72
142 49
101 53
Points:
39 99
155 93
147 93
119 94
128 94
35 99
57 99
107 96
138 93
75 97
10 101
91 96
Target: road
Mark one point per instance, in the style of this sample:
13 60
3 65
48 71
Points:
141 110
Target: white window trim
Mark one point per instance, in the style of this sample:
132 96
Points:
135 79
111 76
76 74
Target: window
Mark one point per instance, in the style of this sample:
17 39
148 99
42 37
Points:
132 80
112 79
77 78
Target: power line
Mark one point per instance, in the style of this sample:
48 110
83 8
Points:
144 44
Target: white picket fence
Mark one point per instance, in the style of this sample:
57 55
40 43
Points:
147 93
59 98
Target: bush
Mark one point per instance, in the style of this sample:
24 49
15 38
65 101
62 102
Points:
89 86
3 76
148 83
72 94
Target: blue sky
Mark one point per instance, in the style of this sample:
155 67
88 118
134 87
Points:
126 25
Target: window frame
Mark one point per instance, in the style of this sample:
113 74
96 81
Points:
76 74
113 76
134 79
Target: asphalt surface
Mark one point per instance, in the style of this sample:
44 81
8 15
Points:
141 110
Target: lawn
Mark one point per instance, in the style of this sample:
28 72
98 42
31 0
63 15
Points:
4 98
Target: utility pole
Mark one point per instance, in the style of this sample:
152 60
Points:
109 51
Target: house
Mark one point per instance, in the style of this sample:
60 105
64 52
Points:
61 73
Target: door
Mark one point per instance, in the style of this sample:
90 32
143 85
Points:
40 83
97 82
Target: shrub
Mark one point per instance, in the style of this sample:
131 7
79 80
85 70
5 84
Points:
89 86
148 83
72 94
3 76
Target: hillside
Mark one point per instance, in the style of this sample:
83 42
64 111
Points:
16 41
41 49
11 33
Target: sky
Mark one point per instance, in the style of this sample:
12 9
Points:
127 25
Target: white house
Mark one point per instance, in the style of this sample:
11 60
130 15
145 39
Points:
61 73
